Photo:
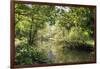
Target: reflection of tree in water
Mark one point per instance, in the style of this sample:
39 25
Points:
50 52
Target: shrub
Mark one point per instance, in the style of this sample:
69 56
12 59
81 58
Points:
78 46
26 54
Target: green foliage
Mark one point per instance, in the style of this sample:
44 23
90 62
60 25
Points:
26 54
40 28
78 34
